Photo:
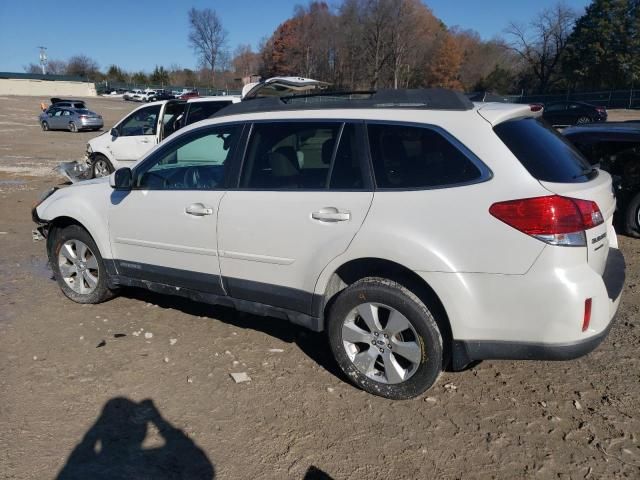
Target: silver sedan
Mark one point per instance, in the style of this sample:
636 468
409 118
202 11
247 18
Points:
72 119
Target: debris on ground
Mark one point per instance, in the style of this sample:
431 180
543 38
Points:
240 377
576 404
119 335
148 335
276 350
450 386
172 341
166 359
430 400
101 344
189 380
330 389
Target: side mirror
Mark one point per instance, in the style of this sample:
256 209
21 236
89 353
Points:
114 132
121 179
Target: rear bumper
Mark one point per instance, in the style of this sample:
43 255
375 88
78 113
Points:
538 315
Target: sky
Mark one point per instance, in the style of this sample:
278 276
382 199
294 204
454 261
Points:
139 34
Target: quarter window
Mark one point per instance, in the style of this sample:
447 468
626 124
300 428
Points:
301 155
414 157
194 161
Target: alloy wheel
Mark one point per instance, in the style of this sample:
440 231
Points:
78 267
381 343
101 168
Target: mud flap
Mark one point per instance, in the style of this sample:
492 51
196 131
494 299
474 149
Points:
74 171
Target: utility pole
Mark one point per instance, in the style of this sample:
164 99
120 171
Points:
43 59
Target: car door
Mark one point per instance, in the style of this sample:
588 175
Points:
303 193
136 134
164 229
555 113
55 120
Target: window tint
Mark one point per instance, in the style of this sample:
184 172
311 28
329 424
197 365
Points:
546 154
201 110
58 113
195 161
66 113
140 122
289 155
555 107
414 157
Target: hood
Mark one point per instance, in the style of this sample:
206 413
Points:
280 86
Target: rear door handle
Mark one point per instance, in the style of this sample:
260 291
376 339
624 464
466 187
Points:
331 214
198 210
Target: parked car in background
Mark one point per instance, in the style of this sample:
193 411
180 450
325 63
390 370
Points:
137 133
419 230
561 114
67 103
188 95
133 95
155 95
72 119
615 148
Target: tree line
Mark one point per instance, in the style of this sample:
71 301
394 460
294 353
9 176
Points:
365 44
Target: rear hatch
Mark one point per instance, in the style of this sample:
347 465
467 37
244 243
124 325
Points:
562 170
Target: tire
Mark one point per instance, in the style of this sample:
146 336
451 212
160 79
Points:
45 126
72 127
374 367
583 120
101 166
632 217
74 255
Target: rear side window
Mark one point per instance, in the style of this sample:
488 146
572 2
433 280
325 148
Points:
546 154
416 157
201 110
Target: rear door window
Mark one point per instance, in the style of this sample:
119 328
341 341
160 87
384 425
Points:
545 153
408 157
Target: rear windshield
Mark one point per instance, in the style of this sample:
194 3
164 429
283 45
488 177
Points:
546 154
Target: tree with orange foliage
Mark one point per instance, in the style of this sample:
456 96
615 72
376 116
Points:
444 70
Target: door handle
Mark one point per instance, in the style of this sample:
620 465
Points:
198 210
331 214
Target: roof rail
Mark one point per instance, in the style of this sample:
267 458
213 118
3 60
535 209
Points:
427 99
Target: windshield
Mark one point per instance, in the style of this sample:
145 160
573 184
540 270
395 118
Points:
545 153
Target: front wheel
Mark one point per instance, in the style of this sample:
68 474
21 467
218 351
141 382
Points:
45 126
583 120
385 339
78 266
72 127
101 166
632 217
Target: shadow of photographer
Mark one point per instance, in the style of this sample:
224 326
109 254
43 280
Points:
112 448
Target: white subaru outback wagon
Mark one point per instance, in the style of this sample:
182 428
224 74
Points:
418 230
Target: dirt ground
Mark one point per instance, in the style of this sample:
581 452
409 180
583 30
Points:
139 387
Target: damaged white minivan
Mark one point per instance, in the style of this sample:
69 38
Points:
415 228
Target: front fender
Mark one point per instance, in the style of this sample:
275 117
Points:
87 204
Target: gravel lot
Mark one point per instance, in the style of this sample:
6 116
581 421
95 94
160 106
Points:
140 387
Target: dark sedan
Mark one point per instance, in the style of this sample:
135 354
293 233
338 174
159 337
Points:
615 148
572 113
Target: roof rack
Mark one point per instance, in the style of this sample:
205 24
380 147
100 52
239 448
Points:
426 99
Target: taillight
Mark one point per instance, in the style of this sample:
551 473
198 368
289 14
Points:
536 107
553 219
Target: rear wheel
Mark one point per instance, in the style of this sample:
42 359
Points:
101 166
78 266
385 339
583 120
45 126
632 217
72 127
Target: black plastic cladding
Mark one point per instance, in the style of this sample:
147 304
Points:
427 99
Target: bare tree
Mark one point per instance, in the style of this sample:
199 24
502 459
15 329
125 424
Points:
208 38
82 66
542 44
